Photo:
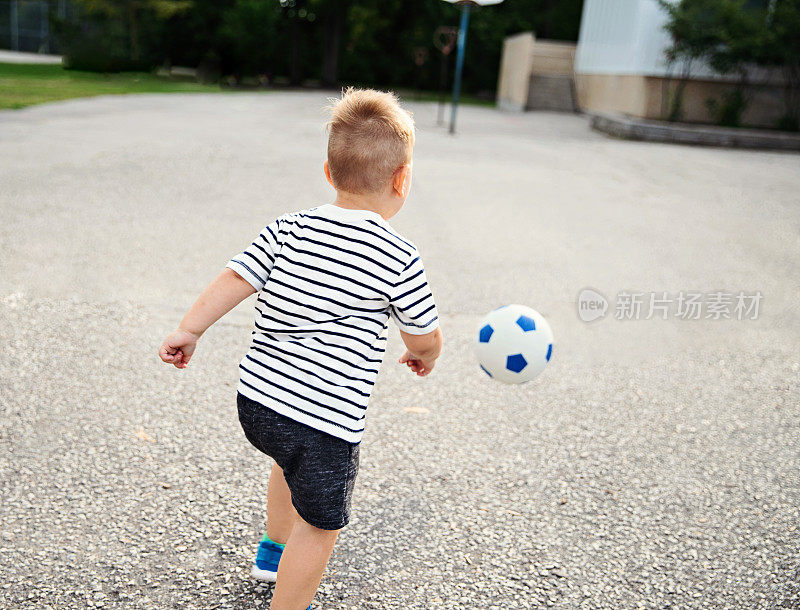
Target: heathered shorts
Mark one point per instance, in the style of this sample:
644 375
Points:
320 469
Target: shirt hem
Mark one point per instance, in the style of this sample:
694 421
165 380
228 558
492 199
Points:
244 272
418 330
312 422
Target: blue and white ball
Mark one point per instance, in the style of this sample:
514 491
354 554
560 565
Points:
513 343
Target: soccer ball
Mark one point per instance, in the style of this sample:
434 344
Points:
513 344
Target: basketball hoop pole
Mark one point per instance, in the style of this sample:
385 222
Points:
462 40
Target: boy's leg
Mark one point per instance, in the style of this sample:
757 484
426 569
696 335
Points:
302 564
281 514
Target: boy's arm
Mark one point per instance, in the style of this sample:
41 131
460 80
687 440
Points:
422 351
224 293
413 308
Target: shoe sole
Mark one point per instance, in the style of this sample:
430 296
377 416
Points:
263 575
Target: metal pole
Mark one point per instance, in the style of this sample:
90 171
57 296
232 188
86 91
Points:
44 44
442 90
462 40
14 19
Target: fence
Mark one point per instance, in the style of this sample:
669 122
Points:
25 24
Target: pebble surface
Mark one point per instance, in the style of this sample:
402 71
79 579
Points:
654 464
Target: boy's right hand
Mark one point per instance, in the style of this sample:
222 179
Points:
178 348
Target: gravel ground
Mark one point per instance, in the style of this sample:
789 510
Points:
655 464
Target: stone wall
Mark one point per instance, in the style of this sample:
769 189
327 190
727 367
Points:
536 74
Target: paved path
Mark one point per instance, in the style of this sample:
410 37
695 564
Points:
20 57
654 464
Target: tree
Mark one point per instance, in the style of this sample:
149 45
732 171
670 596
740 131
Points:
741 35
380 37
366 42
693 27
731 36
333 14
249 38
131 12
781 50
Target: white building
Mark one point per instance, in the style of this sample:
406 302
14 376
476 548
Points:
620 68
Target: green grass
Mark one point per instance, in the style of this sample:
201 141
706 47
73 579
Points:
432 96
24 85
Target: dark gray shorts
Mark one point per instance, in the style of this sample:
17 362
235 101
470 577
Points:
320 469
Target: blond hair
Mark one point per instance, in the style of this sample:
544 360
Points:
369 137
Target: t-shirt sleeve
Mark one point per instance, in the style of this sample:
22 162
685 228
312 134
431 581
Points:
412 305
255 262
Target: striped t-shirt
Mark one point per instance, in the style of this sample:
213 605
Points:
328 280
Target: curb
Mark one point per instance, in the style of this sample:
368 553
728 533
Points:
701 135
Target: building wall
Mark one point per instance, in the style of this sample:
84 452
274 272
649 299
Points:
647 97
515 71
620 68
624 37
612 93
552 58
524 57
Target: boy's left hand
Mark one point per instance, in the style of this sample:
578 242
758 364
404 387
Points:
178 348
420 367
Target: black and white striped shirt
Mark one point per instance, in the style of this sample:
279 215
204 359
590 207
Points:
328 280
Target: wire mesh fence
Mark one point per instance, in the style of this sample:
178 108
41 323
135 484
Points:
25 25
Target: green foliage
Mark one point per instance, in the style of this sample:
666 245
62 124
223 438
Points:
369 42
381 36
675 103
782 45
691 25
781 49
740 35
727 111
115 35
96 45
726 35
248 35
730 35
196 36
789 122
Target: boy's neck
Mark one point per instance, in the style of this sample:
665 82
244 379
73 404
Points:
351 201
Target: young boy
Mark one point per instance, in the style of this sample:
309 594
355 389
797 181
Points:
329 278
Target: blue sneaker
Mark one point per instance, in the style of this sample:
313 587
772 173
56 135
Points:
269 554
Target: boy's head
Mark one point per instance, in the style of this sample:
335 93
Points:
370 142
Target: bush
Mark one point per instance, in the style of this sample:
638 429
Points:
789 122
248 35
728 110
98 46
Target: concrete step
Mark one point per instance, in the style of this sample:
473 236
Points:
551 93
